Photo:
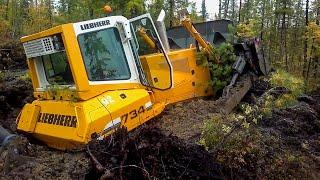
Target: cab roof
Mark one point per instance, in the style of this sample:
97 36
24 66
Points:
45 33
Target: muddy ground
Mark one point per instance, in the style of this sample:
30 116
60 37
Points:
284 145
22 159
288 145
12 56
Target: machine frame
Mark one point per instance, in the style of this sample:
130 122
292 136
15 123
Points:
69 116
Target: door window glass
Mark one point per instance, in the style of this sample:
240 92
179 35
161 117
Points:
153 58
57 69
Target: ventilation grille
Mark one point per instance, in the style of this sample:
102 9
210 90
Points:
39 47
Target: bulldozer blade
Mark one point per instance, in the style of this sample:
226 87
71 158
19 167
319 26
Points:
236 94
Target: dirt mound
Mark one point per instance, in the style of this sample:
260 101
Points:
15 91
299 120
286 143
185 120
291 142
22 160
148 153
12 56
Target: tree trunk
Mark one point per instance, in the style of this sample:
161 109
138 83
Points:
220 9
50 13
306 41
262 19
283 38
7 11
233 10
318 12
171 12
310 60
240 6
13 18
226 8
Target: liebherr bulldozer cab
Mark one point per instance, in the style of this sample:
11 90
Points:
92 77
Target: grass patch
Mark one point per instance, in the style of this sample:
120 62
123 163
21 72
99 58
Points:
283 79
280 79
237 139
231 131
25 77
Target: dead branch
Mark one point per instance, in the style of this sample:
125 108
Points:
185 169
273 91
97 164
164 168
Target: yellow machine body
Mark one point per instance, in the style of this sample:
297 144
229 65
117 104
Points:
66 117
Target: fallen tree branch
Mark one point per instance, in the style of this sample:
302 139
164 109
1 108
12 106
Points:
185 169
164 167
275 90
106 171
97 164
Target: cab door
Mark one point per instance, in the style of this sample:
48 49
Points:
153 60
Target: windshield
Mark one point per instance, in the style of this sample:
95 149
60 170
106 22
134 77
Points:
57 69
103 55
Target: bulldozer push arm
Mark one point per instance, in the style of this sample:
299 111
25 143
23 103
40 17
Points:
207 47
148 39
248 54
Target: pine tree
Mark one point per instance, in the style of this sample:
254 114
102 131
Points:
155 7
204 10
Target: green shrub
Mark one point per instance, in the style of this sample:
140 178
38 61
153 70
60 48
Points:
25 77
283 79
294 85
213 131
231 138
221 73
229 131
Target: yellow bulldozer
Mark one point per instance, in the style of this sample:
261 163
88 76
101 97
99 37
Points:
92 77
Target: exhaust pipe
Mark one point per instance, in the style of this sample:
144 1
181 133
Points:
162 30
5 136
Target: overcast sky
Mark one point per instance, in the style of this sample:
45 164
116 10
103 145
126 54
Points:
212 6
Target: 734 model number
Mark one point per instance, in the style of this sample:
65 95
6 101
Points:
133 114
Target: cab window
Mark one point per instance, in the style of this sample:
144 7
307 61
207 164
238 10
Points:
57 69
153 58
104 56
145 24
